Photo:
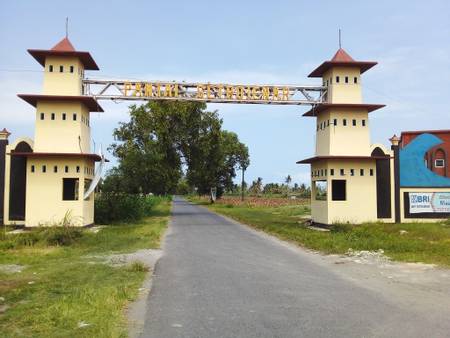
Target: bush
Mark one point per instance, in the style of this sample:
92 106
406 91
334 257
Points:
61 235
113 207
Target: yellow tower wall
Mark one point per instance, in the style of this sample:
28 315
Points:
343 92
62 136
44 194
63 83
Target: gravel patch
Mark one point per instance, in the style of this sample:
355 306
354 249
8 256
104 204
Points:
11 268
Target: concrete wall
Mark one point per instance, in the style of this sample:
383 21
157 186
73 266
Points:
343 92
45 204
63 83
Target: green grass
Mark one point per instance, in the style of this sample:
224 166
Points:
61 287
423 242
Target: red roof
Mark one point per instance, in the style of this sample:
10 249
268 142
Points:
94 157
64 48
324 106
319 158
415 132
89 101
341 59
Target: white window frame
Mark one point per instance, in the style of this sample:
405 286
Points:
436 163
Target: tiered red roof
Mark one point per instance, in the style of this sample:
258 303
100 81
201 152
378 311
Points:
64 48
341 59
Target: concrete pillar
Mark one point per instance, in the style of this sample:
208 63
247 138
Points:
4 134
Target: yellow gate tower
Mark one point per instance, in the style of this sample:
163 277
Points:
58 167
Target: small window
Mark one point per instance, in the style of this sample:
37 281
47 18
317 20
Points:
32 168
317 128
44 168
342 172
355 80
53 116
354 122
71 69
361 172
331 172
337 79
338 190
363 122
344 122
327 82
64 116
42 116
325 172
61 69
74 117
335 122
371 172
50 68
439 163
346 79
70 189
55 169
352 172
321 172
328 123
66 169
78 168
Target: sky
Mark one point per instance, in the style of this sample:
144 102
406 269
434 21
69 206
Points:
232 41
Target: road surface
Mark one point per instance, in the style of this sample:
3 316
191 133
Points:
218 278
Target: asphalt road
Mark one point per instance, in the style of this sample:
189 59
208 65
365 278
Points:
220 279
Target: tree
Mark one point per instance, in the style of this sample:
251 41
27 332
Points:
165 142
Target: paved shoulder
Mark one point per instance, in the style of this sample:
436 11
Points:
218 279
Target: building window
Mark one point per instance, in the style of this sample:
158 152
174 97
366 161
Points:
355 80
338 190
66 169
344 121
74 117
320 189
50 68
363 123
78 168
361 172
327 83
354 122
328 123
61 69
325 172
55 169
44 168
331 172
71 69
352 172
70 189
439 163
346 79
335 122
337 79
371 172
53 116
342 172
321 172
64 116
42 116
32 168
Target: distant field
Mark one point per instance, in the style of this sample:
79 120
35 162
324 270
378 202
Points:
65 290
284 218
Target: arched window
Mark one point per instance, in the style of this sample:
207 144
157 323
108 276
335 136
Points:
439 158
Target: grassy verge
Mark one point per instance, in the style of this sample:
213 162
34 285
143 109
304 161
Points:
409 242
61 292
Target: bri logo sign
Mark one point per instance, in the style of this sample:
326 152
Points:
438 202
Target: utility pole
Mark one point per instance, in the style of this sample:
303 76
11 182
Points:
242 184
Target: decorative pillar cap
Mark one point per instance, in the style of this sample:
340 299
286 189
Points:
4 134
395 140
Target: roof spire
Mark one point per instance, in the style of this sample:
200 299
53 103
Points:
340 46
67 27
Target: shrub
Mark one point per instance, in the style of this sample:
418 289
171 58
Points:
61 235
113 207
341 227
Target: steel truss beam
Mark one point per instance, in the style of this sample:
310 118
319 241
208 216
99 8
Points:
204 92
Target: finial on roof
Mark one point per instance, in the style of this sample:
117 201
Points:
67 27
340 46
4 134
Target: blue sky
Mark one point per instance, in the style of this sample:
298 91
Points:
241 41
